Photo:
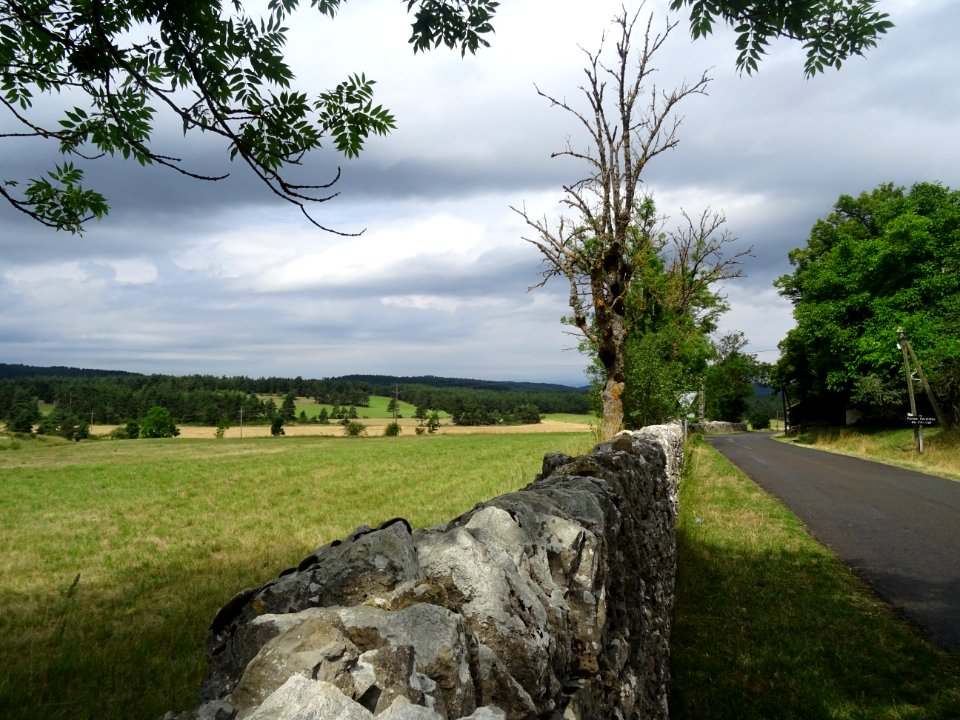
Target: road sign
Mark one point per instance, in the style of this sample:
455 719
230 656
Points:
920 419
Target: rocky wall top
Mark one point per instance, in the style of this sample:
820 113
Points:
551 602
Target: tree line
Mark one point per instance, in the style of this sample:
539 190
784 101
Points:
100 397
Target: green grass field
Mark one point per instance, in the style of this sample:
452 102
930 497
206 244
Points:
376 410
163 532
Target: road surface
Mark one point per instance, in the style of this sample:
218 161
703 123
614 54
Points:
897 528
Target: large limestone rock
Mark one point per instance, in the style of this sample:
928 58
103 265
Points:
551 602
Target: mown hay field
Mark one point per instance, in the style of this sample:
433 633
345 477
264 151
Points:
117 554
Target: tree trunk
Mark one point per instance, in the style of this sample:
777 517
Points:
612 398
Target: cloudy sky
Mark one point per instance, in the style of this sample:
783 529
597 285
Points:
189 277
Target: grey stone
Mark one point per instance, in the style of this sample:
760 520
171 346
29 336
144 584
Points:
302 699
551 602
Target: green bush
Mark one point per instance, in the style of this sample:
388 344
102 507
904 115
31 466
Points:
759 420
130 431
352 428
392 429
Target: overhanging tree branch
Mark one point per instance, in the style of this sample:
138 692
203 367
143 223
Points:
232 68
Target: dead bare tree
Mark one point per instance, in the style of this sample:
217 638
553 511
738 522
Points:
698 261
630 122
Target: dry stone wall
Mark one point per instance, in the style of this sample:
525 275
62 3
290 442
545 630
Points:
551 602
718 426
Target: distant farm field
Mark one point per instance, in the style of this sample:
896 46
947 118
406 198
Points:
117 554
376 409
374 426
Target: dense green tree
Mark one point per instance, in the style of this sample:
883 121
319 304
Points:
883 260
525 414
729 380
420 414
158 423
22 411
433 422
270 410
288 408
211 66
759 420
831 30
663 368
673 305
276 426
65 424
393 407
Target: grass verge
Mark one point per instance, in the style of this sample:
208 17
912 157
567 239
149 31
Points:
769 624
116 555
941 454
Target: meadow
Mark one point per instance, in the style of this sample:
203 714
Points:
117 554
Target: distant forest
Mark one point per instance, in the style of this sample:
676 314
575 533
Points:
114 397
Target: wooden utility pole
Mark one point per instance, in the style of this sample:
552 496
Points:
703 400
914 418
918 422
943 419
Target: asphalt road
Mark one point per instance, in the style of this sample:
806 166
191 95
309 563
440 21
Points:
898 529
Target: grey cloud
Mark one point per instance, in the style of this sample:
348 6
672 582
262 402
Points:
795 144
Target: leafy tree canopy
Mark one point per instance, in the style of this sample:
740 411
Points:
889 258
831 30
729 381
158 423
216 68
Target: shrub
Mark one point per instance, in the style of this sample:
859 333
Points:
759 420
276 426
392 429
352 428
130 431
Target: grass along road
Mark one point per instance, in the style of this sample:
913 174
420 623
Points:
769 624
941 455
